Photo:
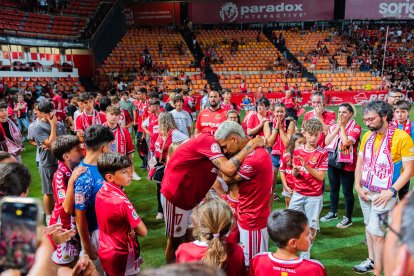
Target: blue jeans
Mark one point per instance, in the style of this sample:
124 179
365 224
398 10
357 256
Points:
23 123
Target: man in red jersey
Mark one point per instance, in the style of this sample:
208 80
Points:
255 179
150 125
325 116
209 119
289 229
141 105
310 164
189 175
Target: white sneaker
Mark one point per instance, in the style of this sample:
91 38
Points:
135 176
159 216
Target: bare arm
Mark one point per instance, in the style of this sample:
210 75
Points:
197 131
346 141
331 136
83 230
80 133
284 183
218 188
141 229
230 166
53 129
69 201
256 129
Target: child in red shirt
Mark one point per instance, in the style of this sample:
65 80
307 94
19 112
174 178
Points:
289 229
212 221
288 180
118 222
68 151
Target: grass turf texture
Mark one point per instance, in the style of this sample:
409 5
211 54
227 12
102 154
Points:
337 249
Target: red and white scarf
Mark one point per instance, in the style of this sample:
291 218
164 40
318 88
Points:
96 119
14 146
345 154
118 145
377 166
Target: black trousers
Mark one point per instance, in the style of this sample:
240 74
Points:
338 178
159 197
143 157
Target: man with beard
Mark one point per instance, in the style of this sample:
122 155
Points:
209 119
255 179
385 164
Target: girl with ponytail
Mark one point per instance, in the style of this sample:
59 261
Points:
212 221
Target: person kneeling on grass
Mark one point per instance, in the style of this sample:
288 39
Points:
118 222
290 230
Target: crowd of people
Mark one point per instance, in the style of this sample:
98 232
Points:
216 179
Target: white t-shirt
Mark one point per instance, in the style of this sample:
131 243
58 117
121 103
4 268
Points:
182 120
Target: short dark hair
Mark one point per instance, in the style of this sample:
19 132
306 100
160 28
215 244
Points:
104 102
15 179
348 106
143 90
111 162
96 136
381 107
113 110
403 104
153 95
178 98
283 225
46 107
4 155
154 102
263 101
64 144
4 104
85 96
319 94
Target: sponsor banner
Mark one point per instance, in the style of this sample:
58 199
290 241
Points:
152 14
379 9
332 97
42 42
246 11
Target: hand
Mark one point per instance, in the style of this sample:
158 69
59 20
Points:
76 173
132 234
363 193
383 198
258 141
84 267
52 120
81 132
60 235
264 121
289 190
302 162
277 123
295 170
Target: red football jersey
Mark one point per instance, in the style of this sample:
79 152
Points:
329 118
60 184
253 121
153 129
195 251
227 107
290 179
142 113
124 118
116 218
83 121
255 190
234 235
209 121
305 183
190 173
265 264
122 143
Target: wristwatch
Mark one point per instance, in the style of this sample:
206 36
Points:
392 189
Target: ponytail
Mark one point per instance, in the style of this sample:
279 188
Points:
212 220
291 146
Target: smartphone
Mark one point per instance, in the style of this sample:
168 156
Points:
20 232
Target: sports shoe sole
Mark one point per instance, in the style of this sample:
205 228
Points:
369 271
326 220
341 226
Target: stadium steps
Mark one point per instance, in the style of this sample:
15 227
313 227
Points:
89 84
291 57
197 52
212 78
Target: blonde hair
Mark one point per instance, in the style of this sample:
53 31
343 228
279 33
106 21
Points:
166 122
212 220
172 148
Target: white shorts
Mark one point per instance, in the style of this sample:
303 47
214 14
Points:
371 212
133 266
253 242
286 194
311 206
64 254
177 220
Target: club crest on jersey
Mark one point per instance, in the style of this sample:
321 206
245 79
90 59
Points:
79 198
215 148
61 193
218 116
313 160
